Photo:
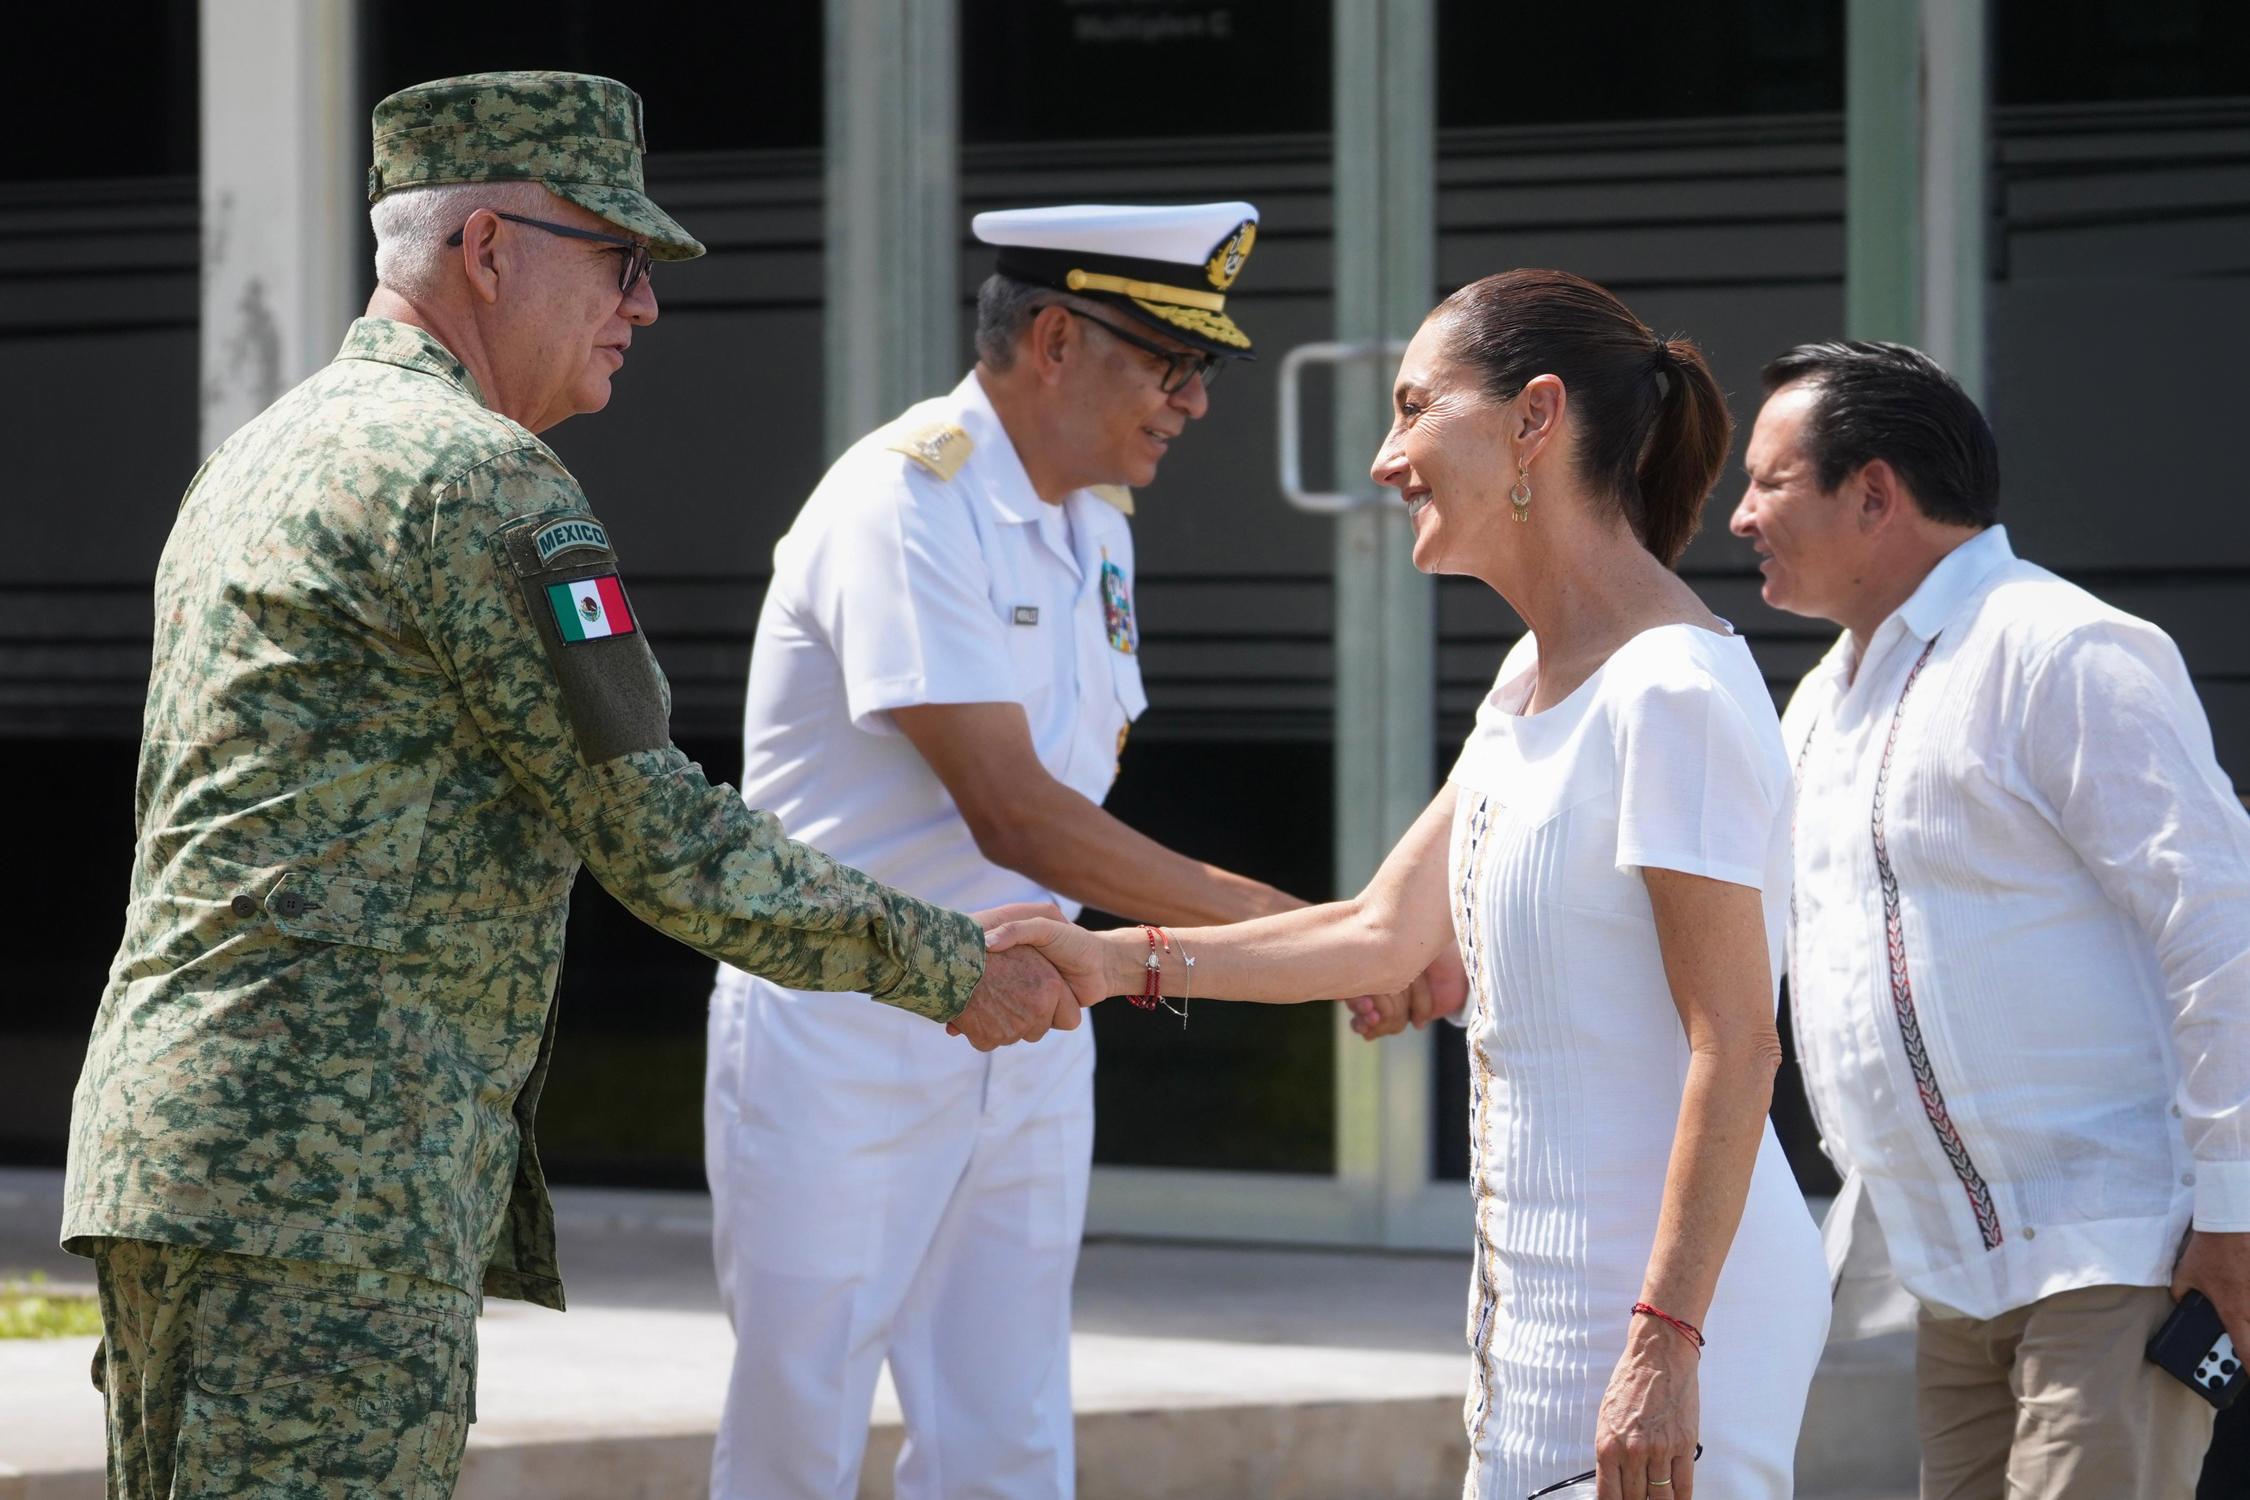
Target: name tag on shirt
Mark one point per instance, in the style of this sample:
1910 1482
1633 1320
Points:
1027 614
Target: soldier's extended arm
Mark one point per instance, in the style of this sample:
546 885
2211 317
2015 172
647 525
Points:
518 597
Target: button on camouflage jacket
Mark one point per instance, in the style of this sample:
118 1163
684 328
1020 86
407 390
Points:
398 696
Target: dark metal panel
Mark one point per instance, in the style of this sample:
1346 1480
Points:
2117 404
107 253
100 444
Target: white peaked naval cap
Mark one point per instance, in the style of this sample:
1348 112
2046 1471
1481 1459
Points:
1169 267
1185 234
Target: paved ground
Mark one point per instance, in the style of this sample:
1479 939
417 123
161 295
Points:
1200 1370
1342 1299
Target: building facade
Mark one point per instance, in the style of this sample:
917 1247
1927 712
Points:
1691 158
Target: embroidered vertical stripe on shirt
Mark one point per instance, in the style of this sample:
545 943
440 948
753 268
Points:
1902 992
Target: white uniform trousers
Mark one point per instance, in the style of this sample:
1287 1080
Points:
881 1189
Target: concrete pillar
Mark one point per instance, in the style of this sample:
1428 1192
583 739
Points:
284 193
1956 188
1882 168
892 324
1917 155
1385 239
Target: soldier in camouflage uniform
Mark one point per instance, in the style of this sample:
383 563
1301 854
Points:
398 697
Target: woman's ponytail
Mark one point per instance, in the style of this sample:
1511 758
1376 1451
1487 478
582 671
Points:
1653 427
1686 450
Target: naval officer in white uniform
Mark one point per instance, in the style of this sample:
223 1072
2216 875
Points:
945 670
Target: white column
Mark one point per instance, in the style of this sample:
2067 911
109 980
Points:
284 185
1385 239
892 322
1956 161
1882 168
1917 150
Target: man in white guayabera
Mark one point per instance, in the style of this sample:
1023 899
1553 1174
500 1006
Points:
2019 961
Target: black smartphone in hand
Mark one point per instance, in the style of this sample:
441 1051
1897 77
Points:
2194 1349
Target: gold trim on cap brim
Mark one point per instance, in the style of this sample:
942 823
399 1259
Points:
1145 291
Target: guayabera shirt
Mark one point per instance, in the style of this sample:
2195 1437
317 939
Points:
398 695
2019 965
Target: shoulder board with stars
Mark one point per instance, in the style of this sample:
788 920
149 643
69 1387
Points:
939 447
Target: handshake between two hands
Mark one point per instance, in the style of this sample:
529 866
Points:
1041 972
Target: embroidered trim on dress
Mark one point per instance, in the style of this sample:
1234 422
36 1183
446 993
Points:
1470 929
1902 993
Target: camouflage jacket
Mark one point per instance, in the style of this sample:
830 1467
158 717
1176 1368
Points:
397 697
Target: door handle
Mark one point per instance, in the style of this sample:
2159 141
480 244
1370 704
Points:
1292 427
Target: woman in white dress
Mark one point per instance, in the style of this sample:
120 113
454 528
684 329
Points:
1611 854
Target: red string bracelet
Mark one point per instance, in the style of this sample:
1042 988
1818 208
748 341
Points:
1687 1330
1151 996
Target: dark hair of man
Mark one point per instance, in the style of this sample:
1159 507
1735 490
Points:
1887 401
1005 308
1653 427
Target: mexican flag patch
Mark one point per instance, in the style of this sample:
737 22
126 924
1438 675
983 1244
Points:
591 608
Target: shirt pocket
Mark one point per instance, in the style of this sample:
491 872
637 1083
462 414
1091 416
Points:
337 863
219 899
1031 653
339 909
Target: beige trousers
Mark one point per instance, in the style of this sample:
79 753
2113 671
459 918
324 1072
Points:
2056 1401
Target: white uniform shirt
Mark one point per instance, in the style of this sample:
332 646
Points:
2020 959
894 588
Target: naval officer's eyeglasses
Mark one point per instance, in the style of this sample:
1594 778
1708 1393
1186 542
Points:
628 275
1180 365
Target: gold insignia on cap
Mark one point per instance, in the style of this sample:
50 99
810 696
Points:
1226 261
1217 327
939 447
1113 494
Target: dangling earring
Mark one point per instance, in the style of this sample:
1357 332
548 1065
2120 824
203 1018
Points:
1520 496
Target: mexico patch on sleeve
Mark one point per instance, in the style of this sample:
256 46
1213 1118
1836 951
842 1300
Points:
590 609
570 534
602 670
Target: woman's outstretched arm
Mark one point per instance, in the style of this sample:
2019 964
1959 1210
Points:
1374 944
1713 937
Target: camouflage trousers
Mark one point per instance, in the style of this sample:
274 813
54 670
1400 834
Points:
235 1376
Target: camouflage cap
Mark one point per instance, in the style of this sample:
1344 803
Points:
578 134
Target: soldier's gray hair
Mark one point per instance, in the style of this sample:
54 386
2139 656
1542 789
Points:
1005 308
413 224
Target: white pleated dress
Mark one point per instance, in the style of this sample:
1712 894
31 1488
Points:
1669 756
